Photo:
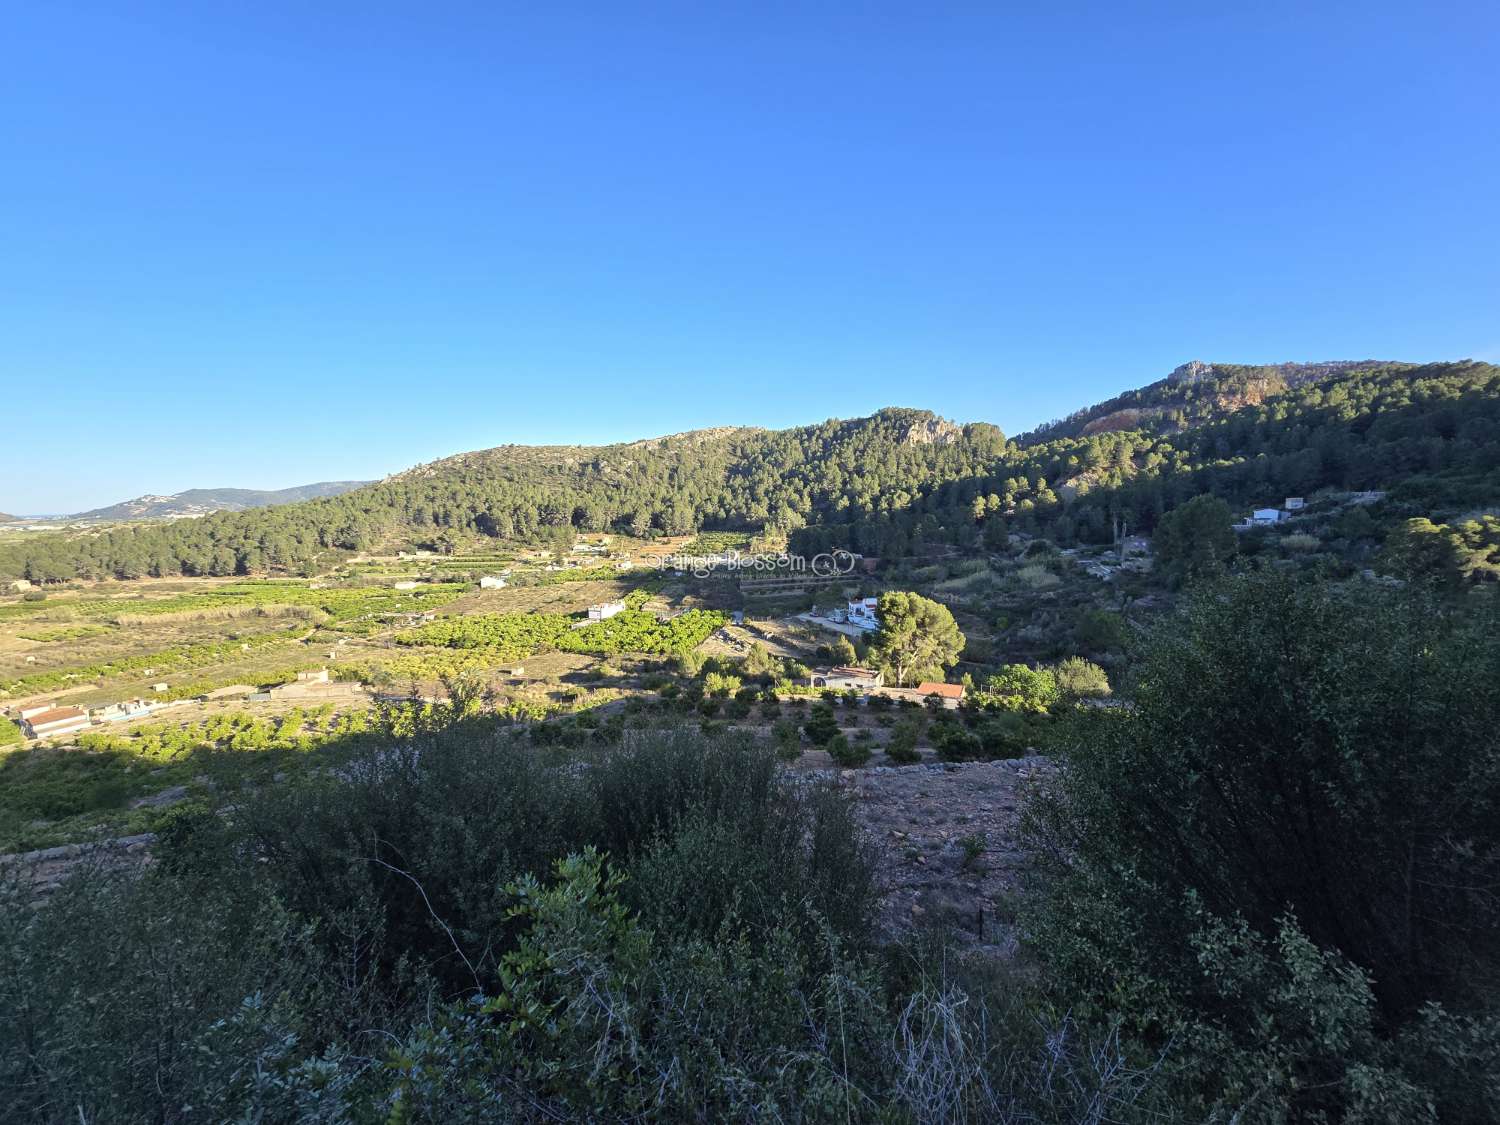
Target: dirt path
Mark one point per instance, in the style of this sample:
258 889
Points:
948 845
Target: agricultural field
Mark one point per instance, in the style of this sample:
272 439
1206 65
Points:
442 645
93 644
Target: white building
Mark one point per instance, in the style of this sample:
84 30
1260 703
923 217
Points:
405 585
1265 516
120 712
605 610
491 582
51 721
1294 503
845 679
861 613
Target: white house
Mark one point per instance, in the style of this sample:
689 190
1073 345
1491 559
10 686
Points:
490 582
1265 515
53 720
844 679
861 613
1294 503
404 585
605 610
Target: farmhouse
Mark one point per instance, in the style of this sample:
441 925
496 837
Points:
404 585
862 615
491 582
45 722
847 679
605 610
1295 503
1265 516
20 585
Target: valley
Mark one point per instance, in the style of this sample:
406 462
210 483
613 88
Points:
908 645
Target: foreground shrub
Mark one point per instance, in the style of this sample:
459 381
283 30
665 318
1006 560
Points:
1275 858
458 927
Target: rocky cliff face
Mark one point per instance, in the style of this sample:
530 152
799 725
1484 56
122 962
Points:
1195 392
1192 371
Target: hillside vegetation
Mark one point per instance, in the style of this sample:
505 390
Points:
1264 894
890 484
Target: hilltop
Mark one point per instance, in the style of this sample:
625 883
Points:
1196 392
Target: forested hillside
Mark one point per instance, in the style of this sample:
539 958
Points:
736 478
1430 435
1194 393
892 483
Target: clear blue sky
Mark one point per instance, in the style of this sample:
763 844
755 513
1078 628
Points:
268 243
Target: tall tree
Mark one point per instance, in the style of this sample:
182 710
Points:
918 638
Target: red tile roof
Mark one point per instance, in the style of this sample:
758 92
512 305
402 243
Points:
946 691
56 715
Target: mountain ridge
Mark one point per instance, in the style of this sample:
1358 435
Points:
1195 392
196 502
894 484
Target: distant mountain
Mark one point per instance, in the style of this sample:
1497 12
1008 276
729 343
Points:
5 518
1195 393
203 501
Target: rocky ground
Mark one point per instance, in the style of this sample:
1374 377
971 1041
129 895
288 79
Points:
40 873
947 840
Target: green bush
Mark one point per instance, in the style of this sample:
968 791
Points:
1271 855
821 725
1077 678
845 753
955 744
455 927
901 748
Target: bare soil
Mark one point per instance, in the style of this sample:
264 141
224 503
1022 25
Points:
947 842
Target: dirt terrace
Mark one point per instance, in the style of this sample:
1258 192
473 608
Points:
947 837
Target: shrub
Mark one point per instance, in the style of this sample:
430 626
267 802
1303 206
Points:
1017 687
720 686
821 725
787 739
1077 678
954 744
847 754
1282 833
902 745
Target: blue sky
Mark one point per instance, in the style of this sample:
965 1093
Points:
263 244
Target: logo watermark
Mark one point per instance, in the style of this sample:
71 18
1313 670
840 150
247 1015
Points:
829 564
